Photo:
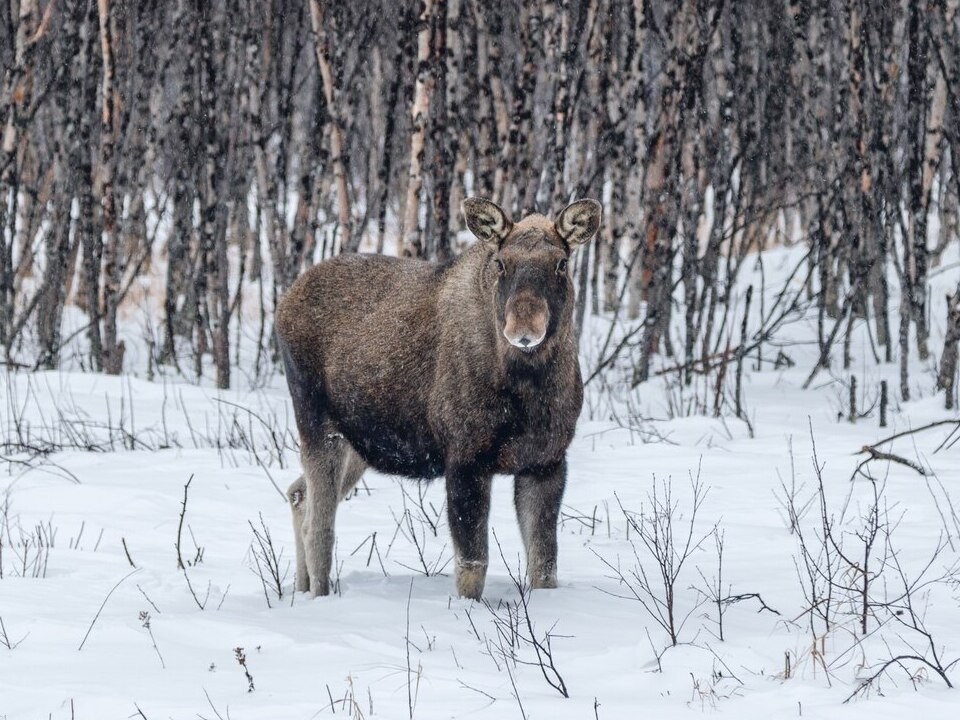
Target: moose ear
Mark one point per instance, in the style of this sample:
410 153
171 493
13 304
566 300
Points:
486 220
579 221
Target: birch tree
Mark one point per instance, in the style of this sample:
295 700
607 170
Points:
419 114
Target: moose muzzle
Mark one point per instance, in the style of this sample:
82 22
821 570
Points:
527 318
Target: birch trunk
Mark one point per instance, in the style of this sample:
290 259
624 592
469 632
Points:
946 378
322 44
14 105
419 117
113 349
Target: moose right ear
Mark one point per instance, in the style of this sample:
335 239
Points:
486 220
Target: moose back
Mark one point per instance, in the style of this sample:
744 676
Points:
463 370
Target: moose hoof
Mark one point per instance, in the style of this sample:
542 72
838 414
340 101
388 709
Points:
471 576
548 580
315 588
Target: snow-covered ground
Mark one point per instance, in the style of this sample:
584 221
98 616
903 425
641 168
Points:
98 621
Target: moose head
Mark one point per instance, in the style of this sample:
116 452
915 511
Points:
529 264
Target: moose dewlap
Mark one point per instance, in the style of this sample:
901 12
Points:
463 369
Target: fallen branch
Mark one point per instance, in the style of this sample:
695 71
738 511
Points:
880 455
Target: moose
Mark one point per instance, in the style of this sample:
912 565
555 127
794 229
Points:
462 369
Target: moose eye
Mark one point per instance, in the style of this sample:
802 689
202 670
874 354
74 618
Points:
561 267
498 263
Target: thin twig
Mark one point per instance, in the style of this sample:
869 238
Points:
410 695
915 430
183 511
126 551
103 605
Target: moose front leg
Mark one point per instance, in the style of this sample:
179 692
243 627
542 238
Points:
537 496
468 509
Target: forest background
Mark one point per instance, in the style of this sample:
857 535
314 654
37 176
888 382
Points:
176 165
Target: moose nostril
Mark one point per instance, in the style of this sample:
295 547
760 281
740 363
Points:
523 340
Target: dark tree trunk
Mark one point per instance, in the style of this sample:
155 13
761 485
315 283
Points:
946 378
444 150
113 348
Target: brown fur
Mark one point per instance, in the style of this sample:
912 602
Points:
406 366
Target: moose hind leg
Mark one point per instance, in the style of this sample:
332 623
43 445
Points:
468 509
296 494
323 461
537 497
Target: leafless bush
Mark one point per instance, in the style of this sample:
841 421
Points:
719 593
267 561
903 605
854 580
516 641
817 563
669 539
707 693
40 419
418 521
685 398
44 419
846 551
24 551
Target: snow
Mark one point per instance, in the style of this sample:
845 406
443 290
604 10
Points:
395 642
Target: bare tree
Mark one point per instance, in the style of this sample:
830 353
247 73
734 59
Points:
946 379
331 87
112 347
419 113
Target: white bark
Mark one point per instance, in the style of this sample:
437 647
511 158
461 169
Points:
321 45
419 113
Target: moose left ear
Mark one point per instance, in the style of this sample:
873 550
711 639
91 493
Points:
579 221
